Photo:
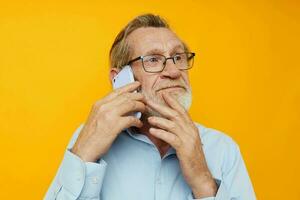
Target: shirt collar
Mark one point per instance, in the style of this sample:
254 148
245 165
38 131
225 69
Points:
132 132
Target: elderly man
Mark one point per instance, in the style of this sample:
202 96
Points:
164 154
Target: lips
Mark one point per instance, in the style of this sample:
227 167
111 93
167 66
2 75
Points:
174 86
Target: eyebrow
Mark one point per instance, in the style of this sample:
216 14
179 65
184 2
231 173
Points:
159 51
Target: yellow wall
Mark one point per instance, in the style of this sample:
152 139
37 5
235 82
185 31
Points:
54 66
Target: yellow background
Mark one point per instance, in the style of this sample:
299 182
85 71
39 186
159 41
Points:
54 66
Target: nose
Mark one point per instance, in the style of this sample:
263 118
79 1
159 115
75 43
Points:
171 70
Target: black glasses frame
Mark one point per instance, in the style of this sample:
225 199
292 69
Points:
191 55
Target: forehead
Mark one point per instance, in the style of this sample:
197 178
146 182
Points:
153 40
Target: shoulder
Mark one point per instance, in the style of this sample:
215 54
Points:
220 149
210 136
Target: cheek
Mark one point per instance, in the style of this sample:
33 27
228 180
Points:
186 79
138 74
147 80
148 84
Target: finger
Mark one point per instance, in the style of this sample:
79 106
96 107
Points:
131 106
119 91
166 136
164 124
129 96
128 88
123 100
128 102
165 111
137 96
130 121
173 103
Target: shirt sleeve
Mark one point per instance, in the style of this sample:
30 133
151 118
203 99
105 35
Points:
77 179
235 183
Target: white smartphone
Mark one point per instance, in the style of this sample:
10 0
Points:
124 77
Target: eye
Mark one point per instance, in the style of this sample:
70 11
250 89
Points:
178 57
153 59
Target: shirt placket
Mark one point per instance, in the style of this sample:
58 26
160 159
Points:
159 182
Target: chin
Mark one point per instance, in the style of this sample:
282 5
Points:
183 96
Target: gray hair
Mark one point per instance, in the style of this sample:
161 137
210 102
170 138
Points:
120 51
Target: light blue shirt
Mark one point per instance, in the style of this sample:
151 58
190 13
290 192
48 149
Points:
133 169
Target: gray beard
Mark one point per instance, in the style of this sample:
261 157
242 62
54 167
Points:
185 100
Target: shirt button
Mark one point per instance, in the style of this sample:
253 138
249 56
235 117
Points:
95 180
78 178
158 181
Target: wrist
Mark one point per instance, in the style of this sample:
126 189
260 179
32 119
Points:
83 156
205 187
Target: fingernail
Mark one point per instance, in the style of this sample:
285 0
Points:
151 129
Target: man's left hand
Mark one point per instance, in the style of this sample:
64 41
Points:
177 129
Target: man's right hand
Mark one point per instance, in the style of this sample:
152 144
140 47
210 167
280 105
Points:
108 117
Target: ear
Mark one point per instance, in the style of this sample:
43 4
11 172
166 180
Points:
113 72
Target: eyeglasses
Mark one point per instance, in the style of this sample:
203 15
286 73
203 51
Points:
156 62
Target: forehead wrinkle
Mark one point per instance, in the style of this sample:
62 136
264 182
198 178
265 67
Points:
153 40
166 49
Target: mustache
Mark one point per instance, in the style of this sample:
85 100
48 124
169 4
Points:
170 84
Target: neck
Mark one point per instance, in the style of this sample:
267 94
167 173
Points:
161 145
